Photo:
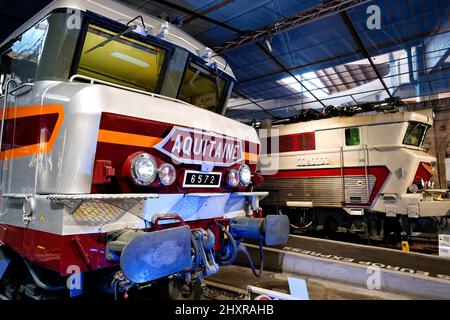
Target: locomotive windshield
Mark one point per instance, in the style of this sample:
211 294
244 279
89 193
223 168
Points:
415 133
138 63
122 61
201 88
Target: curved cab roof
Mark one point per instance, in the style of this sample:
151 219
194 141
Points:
423 116
119 12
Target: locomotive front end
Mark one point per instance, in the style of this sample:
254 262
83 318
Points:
188 186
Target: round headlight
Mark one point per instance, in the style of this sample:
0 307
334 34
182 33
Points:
245 175
233 178
143 169
167 174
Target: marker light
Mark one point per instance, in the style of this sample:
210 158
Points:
245 175
233 178
167 174
143 169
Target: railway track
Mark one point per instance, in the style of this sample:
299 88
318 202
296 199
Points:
423 243
219 291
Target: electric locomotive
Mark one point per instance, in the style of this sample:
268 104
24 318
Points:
117 161
369 174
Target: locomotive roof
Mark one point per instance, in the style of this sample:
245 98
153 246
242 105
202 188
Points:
423 116
116 11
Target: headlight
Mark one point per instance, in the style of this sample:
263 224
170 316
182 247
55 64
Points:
167 174
233 178
143 169
245 175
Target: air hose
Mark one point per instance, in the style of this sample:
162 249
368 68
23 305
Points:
234 247
41 284
244 250
196 261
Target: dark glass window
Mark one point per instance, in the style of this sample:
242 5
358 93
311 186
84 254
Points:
202 88
352 137
21 59
415 133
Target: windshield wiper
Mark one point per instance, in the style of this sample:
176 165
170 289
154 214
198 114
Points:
112 38
127 29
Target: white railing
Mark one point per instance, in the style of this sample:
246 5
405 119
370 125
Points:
107 83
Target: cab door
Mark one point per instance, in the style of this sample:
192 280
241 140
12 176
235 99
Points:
20 137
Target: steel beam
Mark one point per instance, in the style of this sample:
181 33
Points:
254 102
354 33
213 8
285 69
196 15
316 12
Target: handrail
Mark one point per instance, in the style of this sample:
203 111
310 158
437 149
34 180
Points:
154 95
341 158
5 104
23 85
366 164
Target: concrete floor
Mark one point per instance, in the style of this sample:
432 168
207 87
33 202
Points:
318 289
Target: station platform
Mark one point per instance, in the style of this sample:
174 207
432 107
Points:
237 278
389 271
391 259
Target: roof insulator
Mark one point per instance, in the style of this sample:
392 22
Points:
163 30
207 55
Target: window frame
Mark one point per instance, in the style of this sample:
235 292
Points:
9 43
359 136
91 18
229 81
426 126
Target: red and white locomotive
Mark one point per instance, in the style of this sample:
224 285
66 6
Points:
356 173
116 157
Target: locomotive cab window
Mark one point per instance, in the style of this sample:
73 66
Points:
415 133
202 88
21 58
352 137
121 60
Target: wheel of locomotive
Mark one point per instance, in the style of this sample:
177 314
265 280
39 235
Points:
300 219
183 291
330 227
178 290
11 284
392 230
442 224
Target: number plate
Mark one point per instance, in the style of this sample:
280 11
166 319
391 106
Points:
195 179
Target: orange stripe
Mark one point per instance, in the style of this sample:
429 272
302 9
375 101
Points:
21 112
129 139
251 157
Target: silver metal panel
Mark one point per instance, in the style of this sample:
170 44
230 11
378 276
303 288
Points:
46 216
19 173
321 191
356 190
